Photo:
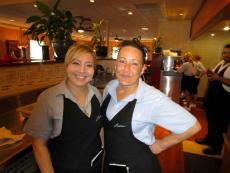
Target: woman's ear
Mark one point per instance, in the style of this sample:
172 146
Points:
143 69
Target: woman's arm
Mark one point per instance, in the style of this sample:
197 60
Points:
172 139
42 155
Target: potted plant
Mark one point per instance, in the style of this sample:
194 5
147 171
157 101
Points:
54 24
157 45
98 39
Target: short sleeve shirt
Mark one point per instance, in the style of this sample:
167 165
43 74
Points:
47 115
188 68
152 108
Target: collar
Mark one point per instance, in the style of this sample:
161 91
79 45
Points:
137 95
62 89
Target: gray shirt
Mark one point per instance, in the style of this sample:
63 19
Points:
47 115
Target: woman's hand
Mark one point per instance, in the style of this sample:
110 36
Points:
172 139
156 147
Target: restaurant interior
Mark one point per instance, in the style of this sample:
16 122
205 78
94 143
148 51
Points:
175 26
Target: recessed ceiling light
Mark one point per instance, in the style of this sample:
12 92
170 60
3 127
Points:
181 14
130 13
35 5
226 28
213 34
91 1
11 20
145 28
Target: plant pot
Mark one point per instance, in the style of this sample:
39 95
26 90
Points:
45 52
101 51
158 50
60 48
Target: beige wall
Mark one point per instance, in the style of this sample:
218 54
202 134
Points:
175 34
209 48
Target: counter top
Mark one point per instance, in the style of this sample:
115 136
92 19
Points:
13 122
29 62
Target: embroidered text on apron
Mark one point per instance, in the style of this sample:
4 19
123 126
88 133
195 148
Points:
121 146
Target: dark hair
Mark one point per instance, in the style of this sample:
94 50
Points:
227 46
134 43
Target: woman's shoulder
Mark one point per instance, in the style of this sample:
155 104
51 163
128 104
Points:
51 92
96 92
149 92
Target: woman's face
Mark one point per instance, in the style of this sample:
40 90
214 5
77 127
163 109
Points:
80 70
129 66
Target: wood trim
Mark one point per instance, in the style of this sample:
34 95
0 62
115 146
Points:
212 12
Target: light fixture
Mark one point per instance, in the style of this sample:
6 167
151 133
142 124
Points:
212 34
130 13
181 14
226 28
145 28
92 1
35 5
80 29
116 39
21 45
11 20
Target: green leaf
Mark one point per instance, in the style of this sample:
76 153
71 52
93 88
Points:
43 7
32 19
56 4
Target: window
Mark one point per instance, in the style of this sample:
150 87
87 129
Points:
115 52
35 50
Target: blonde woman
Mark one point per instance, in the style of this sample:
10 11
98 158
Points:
66 121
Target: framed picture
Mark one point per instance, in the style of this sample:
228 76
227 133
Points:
12 48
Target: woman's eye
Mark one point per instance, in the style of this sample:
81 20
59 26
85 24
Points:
75 63
89 65
135 64
121 61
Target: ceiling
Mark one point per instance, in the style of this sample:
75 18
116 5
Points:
146 13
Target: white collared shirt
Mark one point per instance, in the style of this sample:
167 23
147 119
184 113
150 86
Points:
226 73
152 108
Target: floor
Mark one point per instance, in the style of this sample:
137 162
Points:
195 160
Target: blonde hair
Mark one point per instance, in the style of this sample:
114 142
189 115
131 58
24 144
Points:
77 50
188 56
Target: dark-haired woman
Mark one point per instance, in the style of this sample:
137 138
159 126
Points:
130 111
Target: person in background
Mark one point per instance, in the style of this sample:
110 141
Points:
217 104
200 72
131 109
189 70
66 121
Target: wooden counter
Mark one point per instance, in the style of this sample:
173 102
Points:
13 122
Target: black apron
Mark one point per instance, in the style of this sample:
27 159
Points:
79 141
217 103
121 146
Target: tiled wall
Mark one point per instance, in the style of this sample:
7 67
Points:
21 84
23 78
